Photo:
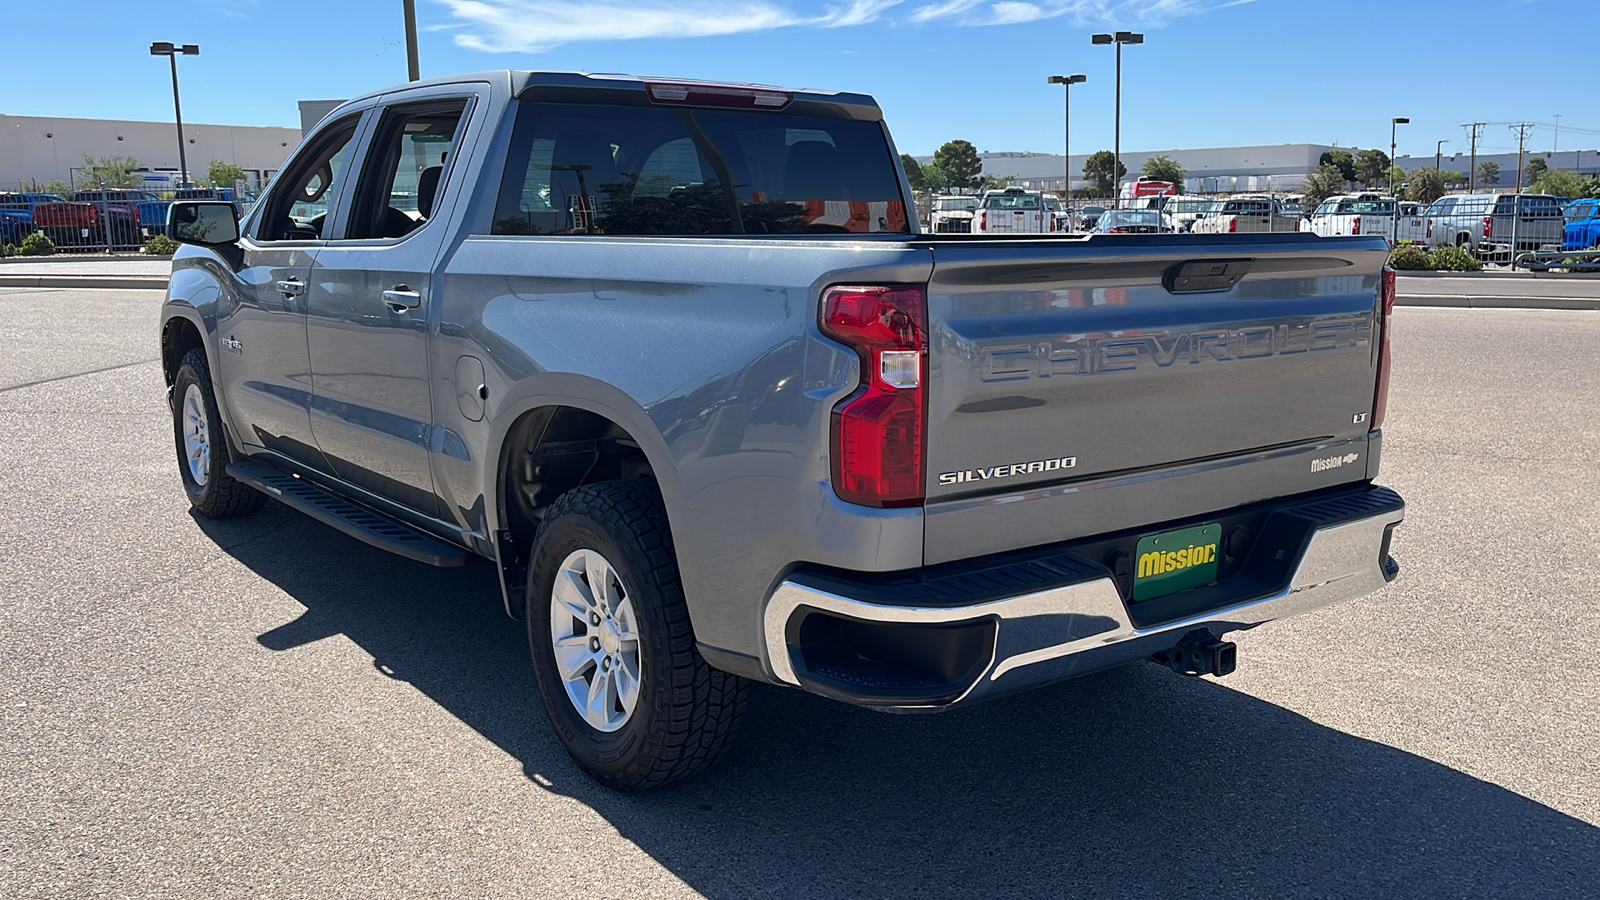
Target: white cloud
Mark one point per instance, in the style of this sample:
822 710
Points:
534 26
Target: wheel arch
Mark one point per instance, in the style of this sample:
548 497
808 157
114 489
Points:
548 443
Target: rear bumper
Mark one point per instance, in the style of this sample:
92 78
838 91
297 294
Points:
958 634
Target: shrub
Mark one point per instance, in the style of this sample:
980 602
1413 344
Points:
8 250
1453 259
1409 257
160 245
38 244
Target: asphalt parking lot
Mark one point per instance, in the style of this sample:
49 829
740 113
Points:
264 707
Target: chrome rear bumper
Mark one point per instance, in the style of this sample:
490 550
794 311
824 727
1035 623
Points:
1081 626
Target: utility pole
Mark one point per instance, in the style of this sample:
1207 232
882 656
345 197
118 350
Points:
1522 130
1472 171
1555 142
412 67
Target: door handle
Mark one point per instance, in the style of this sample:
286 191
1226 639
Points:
402 298
293 287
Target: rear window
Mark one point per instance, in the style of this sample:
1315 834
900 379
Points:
1532 207
1577 212
1247 208
1011 201
576 169
1366 207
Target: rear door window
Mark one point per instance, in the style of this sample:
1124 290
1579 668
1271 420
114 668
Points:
584 169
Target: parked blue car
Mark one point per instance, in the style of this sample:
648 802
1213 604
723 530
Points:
1583 225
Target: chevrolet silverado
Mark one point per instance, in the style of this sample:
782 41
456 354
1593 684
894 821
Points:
675 359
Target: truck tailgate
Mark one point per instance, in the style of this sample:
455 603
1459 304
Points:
1074 392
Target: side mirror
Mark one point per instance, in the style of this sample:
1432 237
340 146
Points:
204 223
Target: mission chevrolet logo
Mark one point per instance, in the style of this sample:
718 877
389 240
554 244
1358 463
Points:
1163 561
1007 471
1333 462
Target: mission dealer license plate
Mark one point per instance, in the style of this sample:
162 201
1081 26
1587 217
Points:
1176 561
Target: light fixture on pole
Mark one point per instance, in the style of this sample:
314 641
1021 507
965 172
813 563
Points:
172 51
1120 38
1438 155
1066 82
1394 124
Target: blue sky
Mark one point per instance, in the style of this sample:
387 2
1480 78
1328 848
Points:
1211 73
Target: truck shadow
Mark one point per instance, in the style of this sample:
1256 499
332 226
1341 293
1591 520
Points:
1130 783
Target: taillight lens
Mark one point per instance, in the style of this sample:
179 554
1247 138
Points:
983 221
1380 400
877 439
1356 228
1488 226
1233 225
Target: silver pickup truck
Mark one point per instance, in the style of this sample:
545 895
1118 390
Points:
674 359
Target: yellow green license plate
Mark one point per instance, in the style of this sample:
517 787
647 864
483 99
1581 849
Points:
1176 561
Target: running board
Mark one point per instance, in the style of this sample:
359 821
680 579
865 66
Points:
353 519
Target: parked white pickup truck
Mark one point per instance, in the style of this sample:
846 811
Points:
1013 211
1244 215
1353 214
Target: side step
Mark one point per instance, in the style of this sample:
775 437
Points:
351 518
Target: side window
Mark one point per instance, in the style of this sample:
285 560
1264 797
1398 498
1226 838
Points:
400 180
621 170
299 199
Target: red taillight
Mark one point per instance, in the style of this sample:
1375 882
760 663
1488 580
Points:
1430 228
1488 225
1233 225
983 221
1380 400
878 430
1356 228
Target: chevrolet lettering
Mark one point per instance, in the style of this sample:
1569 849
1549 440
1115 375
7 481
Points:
676 360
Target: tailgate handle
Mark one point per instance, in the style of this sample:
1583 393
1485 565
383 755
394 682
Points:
1200 275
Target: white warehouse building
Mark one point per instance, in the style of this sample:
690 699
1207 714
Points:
1275 168
35 149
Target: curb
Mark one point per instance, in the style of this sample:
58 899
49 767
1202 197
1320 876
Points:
1462 301
1496 274
102 282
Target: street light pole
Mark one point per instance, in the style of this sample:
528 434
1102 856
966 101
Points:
1394 125
172 52
1120 38
1066 82
1438 156
413 68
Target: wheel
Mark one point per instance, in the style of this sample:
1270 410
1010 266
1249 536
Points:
625 689
202 448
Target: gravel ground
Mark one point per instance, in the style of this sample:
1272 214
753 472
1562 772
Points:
265 707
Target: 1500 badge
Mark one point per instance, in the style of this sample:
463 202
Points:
1007 471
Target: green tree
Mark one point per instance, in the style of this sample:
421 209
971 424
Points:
1327 181
1534 170
55 186
1562 184
1453 179
1372 166
1396 176
111 171
1426 186
994 183
1164 168
1488 173
1098 168
934 179
225 175
1341 160
960 162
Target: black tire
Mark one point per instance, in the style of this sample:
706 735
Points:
221 497
687 712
